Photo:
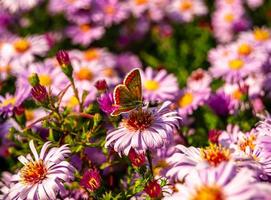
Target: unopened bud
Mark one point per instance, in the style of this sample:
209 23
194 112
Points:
153 189
34 79
101 85
39 93
65 63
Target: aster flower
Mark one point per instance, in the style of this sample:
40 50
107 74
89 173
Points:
187 159
186 10
113 11
127 61
106 102
158 85
144 129
224 182
25 49
91 180
20 5
9 102
199 80
5 184
84 34
43 176
189 100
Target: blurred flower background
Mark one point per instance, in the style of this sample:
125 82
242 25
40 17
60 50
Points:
199 130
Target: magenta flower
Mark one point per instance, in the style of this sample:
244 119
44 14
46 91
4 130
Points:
91 180
106 102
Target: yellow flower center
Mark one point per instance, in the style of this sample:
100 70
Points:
91 54
93 183
161 164
33 172
85 27
21 45
236 64
248 142
237 94
151 85
84 74
261 34
72 102
186 5
244 49
45 80
209 193
229 17
215 155
186 100
7 102
29 115
141 2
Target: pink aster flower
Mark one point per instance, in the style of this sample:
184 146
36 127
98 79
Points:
186 10
46 71
113 11
158 85
91 180
144 129
25 49
253 4
138 7
19 5
199 80
189 100
224 182
187 159
43 176
84 34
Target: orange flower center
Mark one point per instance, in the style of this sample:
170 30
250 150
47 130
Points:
91 54
236 64
110 10
244 49
261 34
29 115
141 2
85 27
33 172
21 45
5 69
84 74
209 193
186 100
215 155
237 94
186 5
248 142
138 120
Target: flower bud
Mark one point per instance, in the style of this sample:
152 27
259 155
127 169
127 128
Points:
91 180
153 189
213 136
101 85
34 79
39 93
65 63
136 159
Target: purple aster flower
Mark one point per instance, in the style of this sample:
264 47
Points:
128 61
106 102
43 176
199 80
223 183
5 184
144 129
221 104
9 102
158 85
19 5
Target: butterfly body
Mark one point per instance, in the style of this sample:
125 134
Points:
128 96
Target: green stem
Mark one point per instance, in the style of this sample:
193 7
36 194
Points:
150 161
76 95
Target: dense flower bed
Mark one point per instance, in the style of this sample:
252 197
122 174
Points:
135 99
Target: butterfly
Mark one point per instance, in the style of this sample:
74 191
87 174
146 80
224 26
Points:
128 96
